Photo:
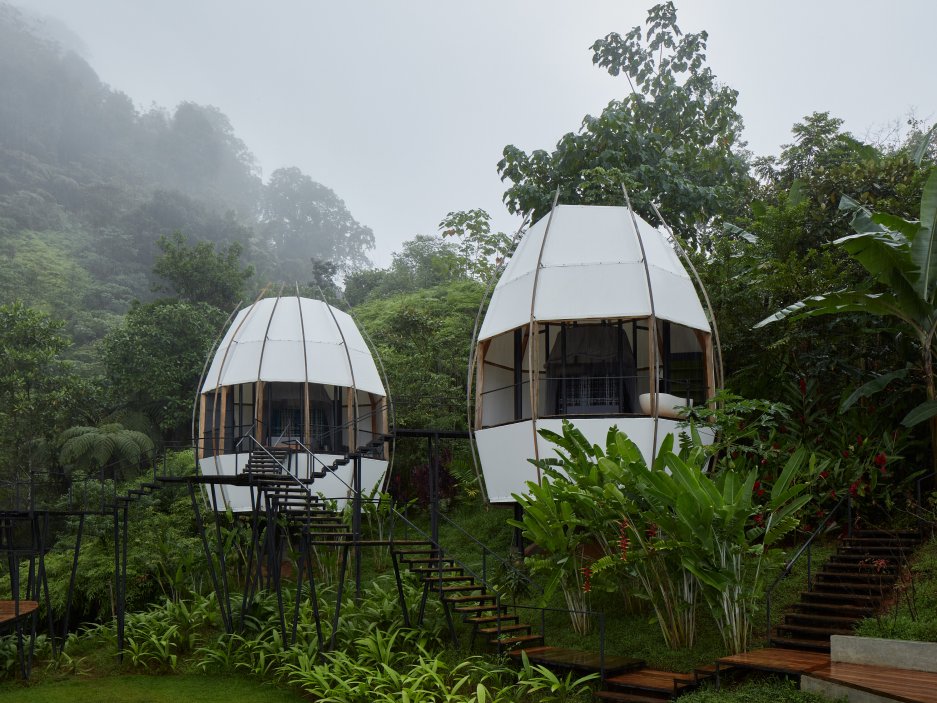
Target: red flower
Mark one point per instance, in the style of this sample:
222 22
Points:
854 488
759 519
761 492
586 578
756 486
832 494
623 541
880 460
824 474
652 531
859 440
845 454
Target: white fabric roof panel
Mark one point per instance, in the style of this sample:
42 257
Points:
293 340
592 268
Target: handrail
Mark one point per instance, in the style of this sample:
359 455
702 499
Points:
277 462
487 550
327 467
806 546
498 596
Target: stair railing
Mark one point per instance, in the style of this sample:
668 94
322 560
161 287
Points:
284 469
806 547
600 615
487 552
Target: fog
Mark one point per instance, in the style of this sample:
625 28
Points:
403 108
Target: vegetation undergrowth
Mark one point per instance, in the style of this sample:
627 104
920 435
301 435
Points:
141 688
913 615
769 690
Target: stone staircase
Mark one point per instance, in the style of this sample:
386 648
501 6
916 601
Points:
852 585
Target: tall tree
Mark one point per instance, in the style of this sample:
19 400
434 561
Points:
38 395
200 274
674 137
153 361
305 220
900 257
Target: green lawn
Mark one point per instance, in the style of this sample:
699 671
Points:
149 689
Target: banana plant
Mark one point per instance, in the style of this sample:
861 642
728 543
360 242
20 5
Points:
900 257
551 521
722 537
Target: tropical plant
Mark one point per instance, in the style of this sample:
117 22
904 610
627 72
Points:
551 521
102 445
900 257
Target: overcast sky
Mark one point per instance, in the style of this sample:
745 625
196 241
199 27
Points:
403 108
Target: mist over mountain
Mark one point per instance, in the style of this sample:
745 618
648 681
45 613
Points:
89 183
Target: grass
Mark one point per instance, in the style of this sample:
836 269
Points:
149 689
770 690
913 616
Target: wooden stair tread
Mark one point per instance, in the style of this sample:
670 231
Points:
504 628
518 639
898 684
812 630
804 645
483 619
476 598
777 659
654 680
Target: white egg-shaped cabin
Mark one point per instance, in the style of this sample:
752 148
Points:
567 335
293 375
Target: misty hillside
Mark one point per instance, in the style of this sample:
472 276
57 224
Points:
89 183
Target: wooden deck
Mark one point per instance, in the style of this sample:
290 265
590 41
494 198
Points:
9 611
899 684
790 662
646 681
577 660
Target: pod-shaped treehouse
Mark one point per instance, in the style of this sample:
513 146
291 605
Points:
594 320
293 377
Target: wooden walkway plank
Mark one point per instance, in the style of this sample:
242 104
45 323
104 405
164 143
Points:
901 684
9 611
577 659
791 662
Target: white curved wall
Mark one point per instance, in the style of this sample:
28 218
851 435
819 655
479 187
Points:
333 485
292 339
592 268
504 451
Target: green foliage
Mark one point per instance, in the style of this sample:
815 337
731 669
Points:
423 263
681 530
900 258
482 250
39 396
98 446
306 220
424 340
199 274
143 688
550 521
675 137
155 358
755 691
913 615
